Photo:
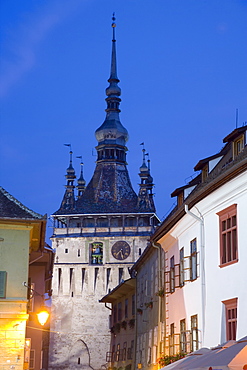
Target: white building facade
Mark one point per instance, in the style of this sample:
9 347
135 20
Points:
204 240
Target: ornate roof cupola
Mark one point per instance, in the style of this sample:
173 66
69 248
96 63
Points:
81 183
145 196
112 135
68 202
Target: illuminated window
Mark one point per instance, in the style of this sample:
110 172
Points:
231 318
228 235
96 253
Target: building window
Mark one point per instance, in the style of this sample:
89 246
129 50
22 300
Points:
78 253
124 351
194 333
181 267
126 304
238 146
133 305
114 314
96 253
193 259
120 275
119 311
172 275
183 347
3 279
30 295
118 352
66 250
32 359
228 235
171 340
231 318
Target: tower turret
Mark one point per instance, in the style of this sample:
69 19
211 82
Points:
68 202
145 196
81 183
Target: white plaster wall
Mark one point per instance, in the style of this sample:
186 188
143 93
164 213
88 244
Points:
221 283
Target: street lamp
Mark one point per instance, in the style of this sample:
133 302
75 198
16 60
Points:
43 314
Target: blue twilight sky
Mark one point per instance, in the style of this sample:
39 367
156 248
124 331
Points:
182 70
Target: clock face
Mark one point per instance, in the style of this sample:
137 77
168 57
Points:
120 250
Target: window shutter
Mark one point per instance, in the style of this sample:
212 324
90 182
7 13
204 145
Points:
3 278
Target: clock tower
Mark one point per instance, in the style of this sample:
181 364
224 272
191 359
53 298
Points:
98 235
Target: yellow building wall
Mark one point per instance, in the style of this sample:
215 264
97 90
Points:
14 259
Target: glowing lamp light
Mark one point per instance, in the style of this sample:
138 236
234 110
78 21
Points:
43 316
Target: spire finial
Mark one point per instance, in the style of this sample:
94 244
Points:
70 152
113 26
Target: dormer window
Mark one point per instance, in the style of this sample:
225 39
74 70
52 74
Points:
238 146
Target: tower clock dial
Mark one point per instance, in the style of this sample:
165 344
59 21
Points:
120 250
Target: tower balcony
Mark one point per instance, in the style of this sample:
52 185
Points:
104 225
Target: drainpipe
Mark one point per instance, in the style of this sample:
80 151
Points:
203 283
158 246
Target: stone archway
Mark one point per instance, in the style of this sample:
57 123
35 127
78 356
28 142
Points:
79 357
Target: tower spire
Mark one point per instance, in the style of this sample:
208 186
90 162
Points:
112 132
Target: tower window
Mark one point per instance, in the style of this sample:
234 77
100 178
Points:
96 253
66 250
